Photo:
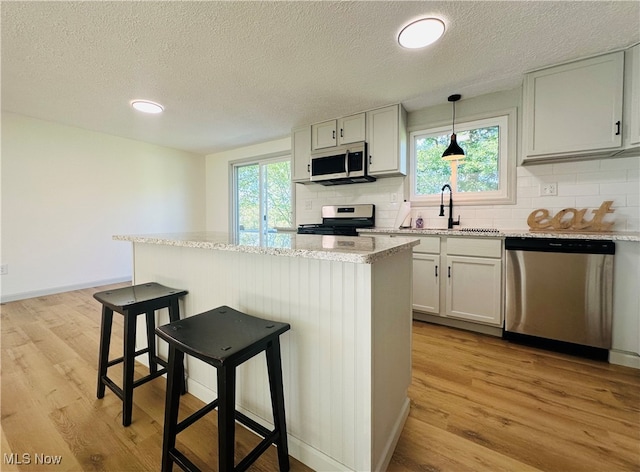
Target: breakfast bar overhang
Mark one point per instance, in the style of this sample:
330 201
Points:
346 360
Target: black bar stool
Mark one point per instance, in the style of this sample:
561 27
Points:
224 338
131 302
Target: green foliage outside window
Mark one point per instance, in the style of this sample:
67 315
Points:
264 202
478 172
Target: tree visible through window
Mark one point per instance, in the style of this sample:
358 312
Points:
480 172
263 202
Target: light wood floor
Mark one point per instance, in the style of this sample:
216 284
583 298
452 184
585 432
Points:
478 403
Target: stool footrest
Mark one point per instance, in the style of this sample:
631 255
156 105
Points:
196 416
149 377
113 387
256 452
181 460
118 391
255 426
121 359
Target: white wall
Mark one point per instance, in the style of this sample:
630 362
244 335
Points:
67 191
218 181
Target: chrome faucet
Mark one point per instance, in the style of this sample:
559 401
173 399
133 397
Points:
450 221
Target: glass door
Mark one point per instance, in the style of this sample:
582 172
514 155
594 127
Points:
263 202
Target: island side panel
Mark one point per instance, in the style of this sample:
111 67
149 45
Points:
326 356
391 346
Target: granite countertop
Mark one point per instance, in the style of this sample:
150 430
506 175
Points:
520 233
355 249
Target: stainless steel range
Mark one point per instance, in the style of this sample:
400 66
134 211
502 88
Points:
342 220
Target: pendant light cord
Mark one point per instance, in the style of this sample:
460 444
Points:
453 125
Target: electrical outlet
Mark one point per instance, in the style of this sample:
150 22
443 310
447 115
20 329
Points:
549 189
4 269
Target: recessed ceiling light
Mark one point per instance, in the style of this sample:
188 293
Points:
146 106
421 33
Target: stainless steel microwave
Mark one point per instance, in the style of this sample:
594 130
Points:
341 165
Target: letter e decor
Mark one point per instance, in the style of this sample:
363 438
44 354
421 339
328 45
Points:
571 219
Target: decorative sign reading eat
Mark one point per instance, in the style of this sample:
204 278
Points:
571 219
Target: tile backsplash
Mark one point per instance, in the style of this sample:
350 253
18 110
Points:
580 184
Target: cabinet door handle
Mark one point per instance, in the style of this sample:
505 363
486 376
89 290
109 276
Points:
308 168
436 271
618 128
334 134
341 133
449 271
369 159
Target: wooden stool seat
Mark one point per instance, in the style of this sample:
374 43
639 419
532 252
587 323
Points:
131 302
224 338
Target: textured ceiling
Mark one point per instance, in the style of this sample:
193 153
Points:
237 73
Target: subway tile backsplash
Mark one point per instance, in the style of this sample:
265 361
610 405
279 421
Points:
583 184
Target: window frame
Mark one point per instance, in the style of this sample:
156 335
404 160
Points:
233 190
507 121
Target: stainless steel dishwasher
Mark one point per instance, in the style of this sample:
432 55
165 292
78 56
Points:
560 289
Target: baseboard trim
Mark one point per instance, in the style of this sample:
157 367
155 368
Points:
627 359
460 324
298 449
390 447
66 288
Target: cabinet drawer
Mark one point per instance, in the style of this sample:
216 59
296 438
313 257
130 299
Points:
430 245
481 247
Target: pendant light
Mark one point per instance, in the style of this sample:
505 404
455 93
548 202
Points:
454 152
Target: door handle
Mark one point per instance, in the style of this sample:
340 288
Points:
308 168
436 271
341 133
334 134
346 162
449 271
618 128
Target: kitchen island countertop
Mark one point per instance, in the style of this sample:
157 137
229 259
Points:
359 250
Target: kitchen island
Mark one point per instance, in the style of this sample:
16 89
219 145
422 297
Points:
347 358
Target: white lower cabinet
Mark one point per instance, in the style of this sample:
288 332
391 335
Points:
625 343
473 289
426 282
464 273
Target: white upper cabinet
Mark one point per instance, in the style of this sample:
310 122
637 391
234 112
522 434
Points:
349 129
387 140
383 129
574 110
352 129
324 135
301 154
631 112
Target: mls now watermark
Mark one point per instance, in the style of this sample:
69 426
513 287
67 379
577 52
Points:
29 458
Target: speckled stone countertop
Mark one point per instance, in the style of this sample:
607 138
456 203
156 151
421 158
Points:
613 236
355 249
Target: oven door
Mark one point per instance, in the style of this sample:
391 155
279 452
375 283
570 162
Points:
341 163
